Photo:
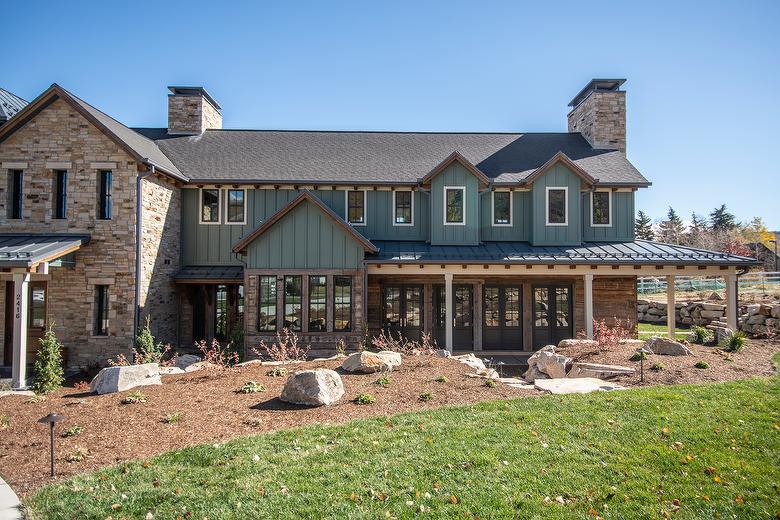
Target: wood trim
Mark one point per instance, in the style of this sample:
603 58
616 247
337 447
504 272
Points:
562 158
453 157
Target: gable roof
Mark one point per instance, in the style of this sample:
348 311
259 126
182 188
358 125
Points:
455 157
10 105
560 157
138 146
305 195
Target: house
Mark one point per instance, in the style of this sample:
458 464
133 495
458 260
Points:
491 242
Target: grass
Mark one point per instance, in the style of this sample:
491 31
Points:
712 449
649 329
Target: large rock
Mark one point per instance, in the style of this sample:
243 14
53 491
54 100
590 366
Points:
118 379
666 347
533 373
632 343
319 387
583 385
472 361
552 364
579 370
713 307
566 343
186 360
393 358
712 314
776 311
369 362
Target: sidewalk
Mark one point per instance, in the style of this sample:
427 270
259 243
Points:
10 507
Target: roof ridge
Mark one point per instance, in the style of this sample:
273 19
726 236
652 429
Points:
416 132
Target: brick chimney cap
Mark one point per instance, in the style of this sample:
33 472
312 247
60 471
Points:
597 84
194 91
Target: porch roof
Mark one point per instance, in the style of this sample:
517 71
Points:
638 252
210 274
29 249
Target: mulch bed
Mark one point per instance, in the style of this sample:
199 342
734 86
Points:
211 411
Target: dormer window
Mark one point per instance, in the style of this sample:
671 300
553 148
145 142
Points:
502 208
209 206
601 208
455 205
356 207
557 203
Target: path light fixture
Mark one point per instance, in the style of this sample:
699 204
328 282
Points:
643 352
51 419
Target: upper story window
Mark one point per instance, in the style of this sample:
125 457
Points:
236 207
403 204
601 208
209 206
104 195
60 194
502 208
15 179
557 203
356 207
455 205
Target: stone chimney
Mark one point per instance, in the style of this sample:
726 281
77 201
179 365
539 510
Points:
599 114
192 111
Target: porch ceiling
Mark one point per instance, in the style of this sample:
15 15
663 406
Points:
26 250
210 274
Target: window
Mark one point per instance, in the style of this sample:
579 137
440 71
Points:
601 208
60 194
403 202
455 205
15 178
37 316
317 303
101 311
266 315
502 208
209 206
220 312
104 195
342 303
356 207
556 206
292 302
240 305
236 207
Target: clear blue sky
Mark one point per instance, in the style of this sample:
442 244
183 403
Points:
703 78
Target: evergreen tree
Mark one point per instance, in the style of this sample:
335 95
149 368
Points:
48 364
672 230
722 220
643 228
697 232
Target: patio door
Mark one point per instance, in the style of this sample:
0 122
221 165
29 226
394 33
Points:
502 324
403 310
553 314
462 316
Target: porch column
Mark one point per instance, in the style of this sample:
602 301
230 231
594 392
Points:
19 363
670 310
589 305
731 301
448 310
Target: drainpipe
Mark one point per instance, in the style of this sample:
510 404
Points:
139 215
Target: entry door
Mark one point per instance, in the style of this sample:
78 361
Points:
462 316
502 324
403 310
552 319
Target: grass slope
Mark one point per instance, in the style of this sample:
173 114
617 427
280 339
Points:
650 329
606 454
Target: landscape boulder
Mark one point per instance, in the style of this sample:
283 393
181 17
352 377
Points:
168 371
121 378
442 352
565 343
320 387
667 347
583 385
599 371
369 362
472 361
552 364
632 343
186 360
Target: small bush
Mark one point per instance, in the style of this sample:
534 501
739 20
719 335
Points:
733 342
383 381
48 364
73 431
223 357
702 364
657 367
699 335
490 383
285 349
173 418
77 455
5 421
341 347
81 386
426 396
404 345
134 398
364 398
441 379
251 387
638 356
35 399
277 372
610 336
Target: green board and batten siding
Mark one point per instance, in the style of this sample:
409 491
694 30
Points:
519 231
569 235
467 235
622 228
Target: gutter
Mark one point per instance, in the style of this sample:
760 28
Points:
139 215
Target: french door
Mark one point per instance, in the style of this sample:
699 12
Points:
403 310
553 314
462 316
502 318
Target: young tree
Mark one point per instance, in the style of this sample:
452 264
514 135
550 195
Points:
698 232
643 228
722 220
672 230
756 232
48 364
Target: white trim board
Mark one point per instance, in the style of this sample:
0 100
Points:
547 206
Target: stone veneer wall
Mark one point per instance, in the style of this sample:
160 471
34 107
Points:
60 134
686 313
601 118
761 319
191 114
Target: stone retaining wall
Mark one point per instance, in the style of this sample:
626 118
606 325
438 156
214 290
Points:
686 313
761 319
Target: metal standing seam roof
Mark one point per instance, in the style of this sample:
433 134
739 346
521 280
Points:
639 252
10 105
25 249
216 273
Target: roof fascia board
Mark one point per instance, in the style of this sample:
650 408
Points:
455 156
560 157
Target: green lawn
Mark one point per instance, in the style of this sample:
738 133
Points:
611 454
648 329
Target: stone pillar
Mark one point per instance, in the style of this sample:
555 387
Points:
589 305
448 307
731 301
19 363
670 310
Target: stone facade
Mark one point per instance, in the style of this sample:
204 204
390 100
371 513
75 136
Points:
191 114
601 119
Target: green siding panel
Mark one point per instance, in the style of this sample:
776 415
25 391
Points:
571 234
455 175
622 228
522 205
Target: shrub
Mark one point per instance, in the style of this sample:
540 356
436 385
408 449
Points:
48 364
5 421
638 356
490 383
341 347
81 386
73 431
426 396
702 364
146 350
251 387
77 455
364 398
657 367
733 342
699 335
284 349
610 335
383 381
403 345
173 418
441 379
277 372
220 356
37 398
134 398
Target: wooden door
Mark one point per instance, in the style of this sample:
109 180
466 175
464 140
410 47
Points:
502 324
553 316
403 310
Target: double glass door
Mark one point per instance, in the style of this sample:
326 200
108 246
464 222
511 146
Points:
552 320
502 324
403 310
462 316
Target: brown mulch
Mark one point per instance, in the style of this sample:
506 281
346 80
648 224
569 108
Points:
755 359
211 412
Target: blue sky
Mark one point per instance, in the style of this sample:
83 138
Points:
703 77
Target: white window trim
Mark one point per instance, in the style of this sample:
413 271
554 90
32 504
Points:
227 204
463 189
493 208
565 206
393 216
365 208
609 202
200 207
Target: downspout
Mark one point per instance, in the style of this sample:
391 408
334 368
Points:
139 215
